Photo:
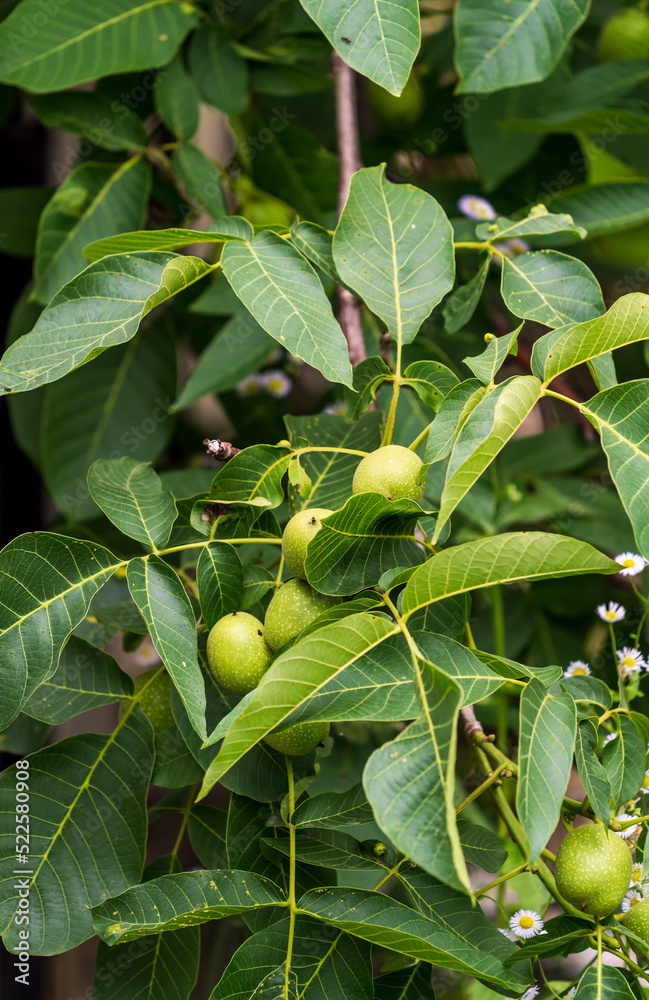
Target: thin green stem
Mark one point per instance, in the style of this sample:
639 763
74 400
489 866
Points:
564 399
396 387
503 878
291 883
621 682
278 578
183 826
477 792
231 541
598 932
468 635
420 437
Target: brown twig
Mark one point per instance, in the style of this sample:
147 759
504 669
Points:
470 723
349 158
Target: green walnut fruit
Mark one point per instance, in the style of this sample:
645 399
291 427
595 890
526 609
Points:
156 700
237 652
637 920
299 739
393 471
401 111
293 607
297 534
625 36
593 869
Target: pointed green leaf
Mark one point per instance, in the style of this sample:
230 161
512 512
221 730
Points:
156 589
282 291
161 239
220 72
84 41
315 243
626 322
551 288
327 963
199 181
177 99
621 416
506 44
85 678
460 306
410 782
431 380
507 558
481 847
158 965
327 849
475 680
606 208
95 116
330 810
253 476
374 37
394 247
294 677
219 576
624 761
125 396
591 773
174 901
87 832
614 986
483 435
547 742
452 414
331 472
48 582
486 365
132 497
76 325
97 199
357 544
539 222
376 917
369 375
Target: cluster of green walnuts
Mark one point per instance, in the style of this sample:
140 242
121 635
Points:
240 648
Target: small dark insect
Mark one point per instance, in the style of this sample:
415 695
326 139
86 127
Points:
344 39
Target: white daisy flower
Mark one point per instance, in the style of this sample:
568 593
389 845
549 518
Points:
514 247
607 739
532 992
508 934
577 668
630 661
337 409
612 612
276 383
645 784
631 899
626 833
250 386
632 563
571 992
475 207
526 924
636 879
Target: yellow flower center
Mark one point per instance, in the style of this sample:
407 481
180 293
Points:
628 563
633 902
610 615
526 923
636 877
628 661
578 671
645 783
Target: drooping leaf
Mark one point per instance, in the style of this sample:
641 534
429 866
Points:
624 761
159 594
220 72
551 288
591 773
181 900
482 436
48 581
87 832
76 325
460 306
133 498
505 45
481 847
199 181
97 199
485 366
410 782
94 116
539 222
394 247
606 208
377 39
177 99
506 558
621 415
626 322
547 742
219 576
295 168
294 677
253 476
83 42
117 405
376 917
453 412
168 239
85 678
315 243
280 288
357 544
475 680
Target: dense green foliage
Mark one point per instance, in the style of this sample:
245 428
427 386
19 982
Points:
500 359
